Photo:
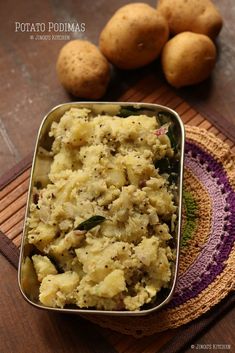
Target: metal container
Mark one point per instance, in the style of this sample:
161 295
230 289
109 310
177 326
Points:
111 108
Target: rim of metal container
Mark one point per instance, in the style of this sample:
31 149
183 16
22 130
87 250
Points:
109 312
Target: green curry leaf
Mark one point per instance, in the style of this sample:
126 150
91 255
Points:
166 117
165 165
90 223
127 111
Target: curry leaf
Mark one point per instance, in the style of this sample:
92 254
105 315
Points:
127 111
165 165
90 223
166 117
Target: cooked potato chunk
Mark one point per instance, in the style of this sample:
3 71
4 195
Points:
56 290
43 266
29 280
113 284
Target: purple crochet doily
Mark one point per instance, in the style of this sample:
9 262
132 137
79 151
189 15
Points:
213 255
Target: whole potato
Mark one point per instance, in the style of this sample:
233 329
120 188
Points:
199 16
134 36
188 58
83 70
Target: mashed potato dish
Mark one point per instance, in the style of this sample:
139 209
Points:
100 226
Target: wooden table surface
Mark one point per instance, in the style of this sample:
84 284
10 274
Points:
29 89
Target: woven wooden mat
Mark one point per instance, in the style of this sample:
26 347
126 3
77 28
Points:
13 195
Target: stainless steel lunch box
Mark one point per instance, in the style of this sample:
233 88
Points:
111 108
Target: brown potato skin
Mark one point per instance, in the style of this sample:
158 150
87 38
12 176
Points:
188 58
134 36
83 70
199 16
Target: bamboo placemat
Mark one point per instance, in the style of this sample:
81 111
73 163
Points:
13 194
